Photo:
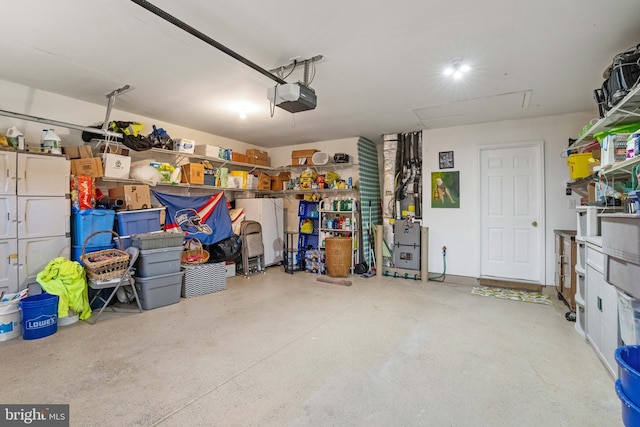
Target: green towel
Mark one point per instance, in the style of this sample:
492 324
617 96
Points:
67 280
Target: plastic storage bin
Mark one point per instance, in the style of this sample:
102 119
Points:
159 291
39 316
307 209
156 262
588 223
580 320
157 240
630 410
629 318
88 221
126 242
628 359
140 221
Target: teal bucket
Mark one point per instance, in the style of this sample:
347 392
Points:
39 316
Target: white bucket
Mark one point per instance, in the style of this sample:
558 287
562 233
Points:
71 318
10 322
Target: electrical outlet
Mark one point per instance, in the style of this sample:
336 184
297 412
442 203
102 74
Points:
572 203
567 191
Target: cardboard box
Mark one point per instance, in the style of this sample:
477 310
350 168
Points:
279 181
302 157
193 173
115 149
87 167
238 157
209 151
257 157
116 166
591 192
264 181
134 196
184 145
78 152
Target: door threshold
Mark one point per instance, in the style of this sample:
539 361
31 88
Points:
497 282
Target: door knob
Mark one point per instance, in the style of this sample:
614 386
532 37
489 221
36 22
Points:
534 223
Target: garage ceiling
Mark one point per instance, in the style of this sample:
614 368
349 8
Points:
381 73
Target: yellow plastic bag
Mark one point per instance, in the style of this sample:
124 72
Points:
307 226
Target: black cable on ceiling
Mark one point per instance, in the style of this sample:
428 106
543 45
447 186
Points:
189 29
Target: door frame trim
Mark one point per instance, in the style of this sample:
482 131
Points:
539 144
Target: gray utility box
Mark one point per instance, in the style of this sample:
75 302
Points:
406 247
156 262
406 233
159 291
406 257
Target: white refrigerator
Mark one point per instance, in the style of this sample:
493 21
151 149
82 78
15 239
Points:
269 213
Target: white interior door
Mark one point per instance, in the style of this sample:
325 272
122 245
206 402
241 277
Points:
512 228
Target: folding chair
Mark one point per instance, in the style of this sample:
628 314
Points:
119 282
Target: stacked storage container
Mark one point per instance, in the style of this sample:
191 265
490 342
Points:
86 222
137 222
158 277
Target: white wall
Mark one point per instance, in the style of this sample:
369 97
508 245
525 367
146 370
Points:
458 229
26 100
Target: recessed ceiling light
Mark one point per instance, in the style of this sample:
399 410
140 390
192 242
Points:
457 70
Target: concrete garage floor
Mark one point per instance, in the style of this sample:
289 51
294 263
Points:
285 350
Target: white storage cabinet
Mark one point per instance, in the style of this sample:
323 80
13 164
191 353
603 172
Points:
601 307
35 212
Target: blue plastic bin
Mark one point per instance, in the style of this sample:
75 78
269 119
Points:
630 411
39 316
140 221
628 359
308 209
126 242
86 222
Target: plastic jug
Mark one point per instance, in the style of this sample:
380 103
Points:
15 137
51 142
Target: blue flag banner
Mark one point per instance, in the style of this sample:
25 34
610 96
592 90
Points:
204 217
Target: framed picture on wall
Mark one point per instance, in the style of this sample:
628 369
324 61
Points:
446 159
445 189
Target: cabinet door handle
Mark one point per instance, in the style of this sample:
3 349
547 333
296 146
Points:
599 303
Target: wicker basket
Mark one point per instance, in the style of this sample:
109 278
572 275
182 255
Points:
107 263
194 253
